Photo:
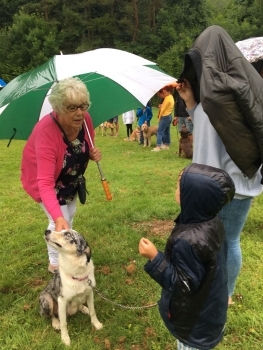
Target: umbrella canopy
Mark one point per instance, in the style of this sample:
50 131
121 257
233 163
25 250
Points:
2 83
117 80
252 49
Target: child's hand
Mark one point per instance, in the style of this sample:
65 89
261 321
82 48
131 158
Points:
147 249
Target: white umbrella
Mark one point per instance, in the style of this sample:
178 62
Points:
251 48
117 80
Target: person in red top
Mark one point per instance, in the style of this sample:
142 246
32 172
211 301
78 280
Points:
53 162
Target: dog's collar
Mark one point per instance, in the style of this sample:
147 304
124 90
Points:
80 279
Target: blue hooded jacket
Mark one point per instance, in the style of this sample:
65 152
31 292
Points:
192 270
144 115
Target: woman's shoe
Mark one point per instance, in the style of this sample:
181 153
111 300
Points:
156 149
165 147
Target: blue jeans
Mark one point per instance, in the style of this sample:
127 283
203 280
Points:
163 133
188 123
233 216
181 346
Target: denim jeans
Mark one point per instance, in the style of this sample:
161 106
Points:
181 346
188 123
233 216
163 133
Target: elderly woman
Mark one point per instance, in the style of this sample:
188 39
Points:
56 155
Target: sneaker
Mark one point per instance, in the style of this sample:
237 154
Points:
156 149
165 147
52 268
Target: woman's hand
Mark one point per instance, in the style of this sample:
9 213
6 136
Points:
61 224
95 154
147 249
186 93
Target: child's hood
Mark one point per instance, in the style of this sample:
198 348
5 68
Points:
204 190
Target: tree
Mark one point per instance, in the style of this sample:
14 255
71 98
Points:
28 43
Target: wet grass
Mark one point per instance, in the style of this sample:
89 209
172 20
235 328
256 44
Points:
142 184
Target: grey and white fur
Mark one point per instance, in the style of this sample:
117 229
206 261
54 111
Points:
69 289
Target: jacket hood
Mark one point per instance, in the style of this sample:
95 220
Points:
204 190
213 45
231 92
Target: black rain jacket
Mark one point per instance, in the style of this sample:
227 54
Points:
192 270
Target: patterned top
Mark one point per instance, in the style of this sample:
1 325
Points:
74 165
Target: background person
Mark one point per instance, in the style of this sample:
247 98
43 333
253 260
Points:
128 119
164 118
181 115
50 165
114 124
144 115
192 270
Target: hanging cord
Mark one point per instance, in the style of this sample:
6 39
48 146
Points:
120 305
11 138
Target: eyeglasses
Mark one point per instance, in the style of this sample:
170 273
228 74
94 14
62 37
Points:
73 108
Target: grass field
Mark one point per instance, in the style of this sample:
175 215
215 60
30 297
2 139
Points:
142 184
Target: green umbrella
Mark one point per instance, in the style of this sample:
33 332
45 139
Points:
117 80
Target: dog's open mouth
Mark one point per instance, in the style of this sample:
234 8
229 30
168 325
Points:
58 245
49 240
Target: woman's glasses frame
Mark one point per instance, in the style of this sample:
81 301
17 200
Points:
82 107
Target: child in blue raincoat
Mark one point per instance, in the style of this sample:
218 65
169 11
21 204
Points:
144 115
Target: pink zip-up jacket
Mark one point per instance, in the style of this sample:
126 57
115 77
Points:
42 162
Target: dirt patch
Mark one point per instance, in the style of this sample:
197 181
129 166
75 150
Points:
160 228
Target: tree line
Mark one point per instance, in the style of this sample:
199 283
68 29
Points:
31 32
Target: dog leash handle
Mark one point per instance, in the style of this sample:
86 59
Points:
105 184
106 189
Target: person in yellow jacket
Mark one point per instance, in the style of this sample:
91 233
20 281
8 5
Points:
164 118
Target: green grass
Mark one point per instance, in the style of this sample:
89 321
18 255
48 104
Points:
143 185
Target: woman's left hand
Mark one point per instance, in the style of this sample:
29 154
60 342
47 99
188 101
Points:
95 154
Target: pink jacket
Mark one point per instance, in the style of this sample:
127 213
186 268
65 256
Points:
42 161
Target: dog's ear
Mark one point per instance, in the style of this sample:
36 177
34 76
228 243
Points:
88 254
82 246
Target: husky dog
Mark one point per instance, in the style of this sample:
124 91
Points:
70 288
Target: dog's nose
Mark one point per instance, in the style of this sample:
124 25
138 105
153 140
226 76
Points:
47 232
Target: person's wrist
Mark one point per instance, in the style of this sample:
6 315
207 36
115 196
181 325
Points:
153 256
190 103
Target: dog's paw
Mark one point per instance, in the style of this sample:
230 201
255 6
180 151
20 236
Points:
85 310
98 325
66 339
56 323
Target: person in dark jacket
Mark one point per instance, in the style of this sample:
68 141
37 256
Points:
192 270
223 94
181 116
